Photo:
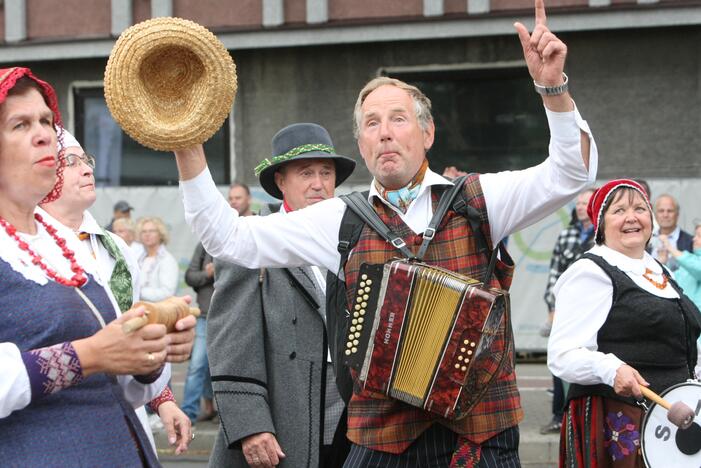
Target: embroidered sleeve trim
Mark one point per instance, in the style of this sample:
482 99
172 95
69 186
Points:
52 369
165 395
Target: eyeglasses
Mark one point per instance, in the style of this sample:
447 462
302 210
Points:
73 159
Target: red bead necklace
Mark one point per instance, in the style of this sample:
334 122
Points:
77 280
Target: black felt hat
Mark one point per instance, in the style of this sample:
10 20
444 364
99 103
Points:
301 141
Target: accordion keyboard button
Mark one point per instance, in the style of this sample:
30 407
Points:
354 350
364 277
457 366
369 282
348 352
462 350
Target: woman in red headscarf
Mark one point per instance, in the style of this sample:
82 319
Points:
620 323
61 345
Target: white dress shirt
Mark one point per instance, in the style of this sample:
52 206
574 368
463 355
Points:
15 391
583 299
514 199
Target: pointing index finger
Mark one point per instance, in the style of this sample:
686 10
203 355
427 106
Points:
540 12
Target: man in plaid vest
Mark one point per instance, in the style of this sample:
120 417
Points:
395 129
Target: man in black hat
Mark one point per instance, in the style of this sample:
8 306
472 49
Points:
121 209
270 364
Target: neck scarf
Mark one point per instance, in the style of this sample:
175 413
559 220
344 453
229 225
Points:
402 197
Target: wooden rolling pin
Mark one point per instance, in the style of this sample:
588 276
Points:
168 311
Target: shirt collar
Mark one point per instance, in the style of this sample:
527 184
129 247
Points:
90 224
673 236
626 263
430 179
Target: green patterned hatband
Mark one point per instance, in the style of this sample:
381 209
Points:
291 154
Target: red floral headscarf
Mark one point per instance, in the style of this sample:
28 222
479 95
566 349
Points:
8 80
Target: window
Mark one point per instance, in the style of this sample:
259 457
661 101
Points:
488 119
120 160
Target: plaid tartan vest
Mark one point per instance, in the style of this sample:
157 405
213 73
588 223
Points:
384 424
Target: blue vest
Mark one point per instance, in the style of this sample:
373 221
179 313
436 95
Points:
83 425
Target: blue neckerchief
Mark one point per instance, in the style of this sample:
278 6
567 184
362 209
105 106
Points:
402 198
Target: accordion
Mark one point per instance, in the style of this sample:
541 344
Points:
426 336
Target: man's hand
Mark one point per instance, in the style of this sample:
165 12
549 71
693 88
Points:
544 52
545 56
262 450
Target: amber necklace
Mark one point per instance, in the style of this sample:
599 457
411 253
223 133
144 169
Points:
661 285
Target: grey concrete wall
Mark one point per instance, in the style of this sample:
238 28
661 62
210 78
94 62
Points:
639 90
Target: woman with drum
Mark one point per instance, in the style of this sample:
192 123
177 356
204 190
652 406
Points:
61 345
621 322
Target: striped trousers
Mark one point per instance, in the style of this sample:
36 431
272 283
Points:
434 449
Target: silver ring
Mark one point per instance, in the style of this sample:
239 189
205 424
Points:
193 436
150 357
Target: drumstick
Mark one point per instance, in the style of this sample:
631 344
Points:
167 312
678 413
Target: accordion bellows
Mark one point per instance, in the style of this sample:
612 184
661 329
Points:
426 336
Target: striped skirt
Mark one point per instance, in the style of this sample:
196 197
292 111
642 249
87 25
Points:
599 432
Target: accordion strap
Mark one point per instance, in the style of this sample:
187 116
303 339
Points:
360 205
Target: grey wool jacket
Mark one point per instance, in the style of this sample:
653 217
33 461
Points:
266 344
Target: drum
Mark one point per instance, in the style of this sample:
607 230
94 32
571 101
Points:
664 444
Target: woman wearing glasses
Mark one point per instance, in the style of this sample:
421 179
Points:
62 347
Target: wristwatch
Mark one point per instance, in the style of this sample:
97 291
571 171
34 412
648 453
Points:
552 90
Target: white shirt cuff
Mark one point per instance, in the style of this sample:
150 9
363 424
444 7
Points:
607 368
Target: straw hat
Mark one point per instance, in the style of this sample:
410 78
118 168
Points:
169 83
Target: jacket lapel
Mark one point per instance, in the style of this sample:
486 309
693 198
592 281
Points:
302 279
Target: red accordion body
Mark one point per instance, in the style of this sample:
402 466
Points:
425 336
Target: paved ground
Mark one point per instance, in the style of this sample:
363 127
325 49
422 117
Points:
537 451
